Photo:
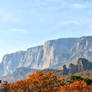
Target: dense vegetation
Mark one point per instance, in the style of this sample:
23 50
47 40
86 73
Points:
77 86
48 82
38 82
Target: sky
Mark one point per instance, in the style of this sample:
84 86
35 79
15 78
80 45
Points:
28 23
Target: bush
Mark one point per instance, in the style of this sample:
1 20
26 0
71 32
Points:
74 78
88 81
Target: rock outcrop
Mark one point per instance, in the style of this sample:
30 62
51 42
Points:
82 65
65 70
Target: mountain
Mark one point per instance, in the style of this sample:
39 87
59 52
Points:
53 54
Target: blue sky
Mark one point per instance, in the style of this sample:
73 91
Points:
27 23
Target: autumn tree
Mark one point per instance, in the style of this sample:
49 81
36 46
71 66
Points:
41 82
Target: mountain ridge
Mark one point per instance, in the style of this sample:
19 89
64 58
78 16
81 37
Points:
53 54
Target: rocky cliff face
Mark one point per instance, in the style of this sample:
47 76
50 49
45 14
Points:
53 54
82 65
10 62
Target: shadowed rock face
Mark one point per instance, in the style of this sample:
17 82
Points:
53 54
72 68
82 65
65 70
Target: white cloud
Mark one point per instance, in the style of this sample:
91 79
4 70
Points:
8 17
69 22
79 6
86 21
18 30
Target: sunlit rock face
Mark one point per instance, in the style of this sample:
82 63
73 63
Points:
53 54
11 61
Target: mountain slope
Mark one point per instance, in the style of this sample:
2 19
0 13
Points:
53 54
19 74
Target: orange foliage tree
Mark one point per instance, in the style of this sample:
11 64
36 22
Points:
38 82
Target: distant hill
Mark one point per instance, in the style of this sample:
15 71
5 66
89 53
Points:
53 54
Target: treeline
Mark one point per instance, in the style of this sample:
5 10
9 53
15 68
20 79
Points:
48 82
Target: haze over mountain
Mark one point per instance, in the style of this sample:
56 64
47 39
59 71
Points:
83 65
53 54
